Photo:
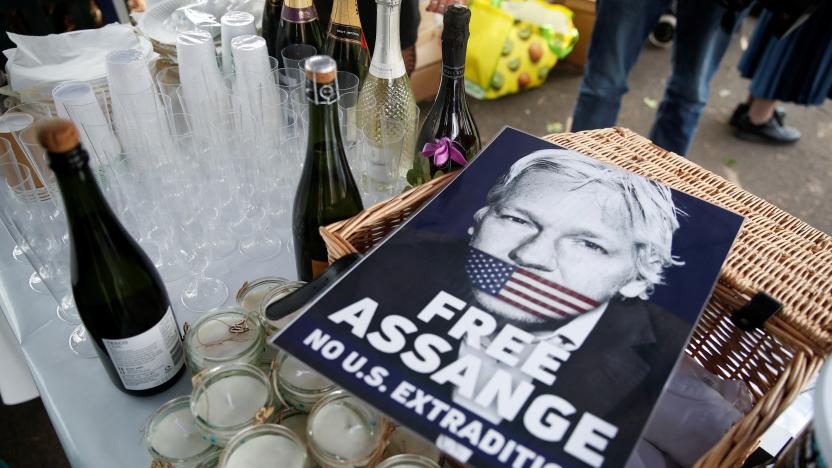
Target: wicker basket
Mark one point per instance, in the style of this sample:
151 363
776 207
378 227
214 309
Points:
775 253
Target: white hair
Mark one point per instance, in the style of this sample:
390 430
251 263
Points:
649 205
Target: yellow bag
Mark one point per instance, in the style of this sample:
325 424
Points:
514 45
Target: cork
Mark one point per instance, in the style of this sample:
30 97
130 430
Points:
58 135
321 69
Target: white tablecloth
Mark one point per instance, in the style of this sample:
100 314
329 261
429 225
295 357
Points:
97 425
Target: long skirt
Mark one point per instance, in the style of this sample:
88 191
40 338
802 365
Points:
796 68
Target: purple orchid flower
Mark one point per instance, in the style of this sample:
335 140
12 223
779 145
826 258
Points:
441 150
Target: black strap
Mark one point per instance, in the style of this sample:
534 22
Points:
754 314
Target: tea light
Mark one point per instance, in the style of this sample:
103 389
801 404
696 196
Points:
343 431
297 384
294 420
224 336
251 294
408 461
170 435
227 398
404 441
273 296
265 446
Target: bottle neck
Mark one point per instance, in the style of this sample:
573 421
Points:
299 11
81 194
323 112
345 24
452 83
387 60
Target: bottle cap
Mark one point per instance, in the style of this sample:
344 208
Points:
320 69
457 18
58 135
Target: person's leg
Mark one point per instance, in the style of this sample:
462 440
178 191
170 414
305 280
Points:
621 27
761 110
699 47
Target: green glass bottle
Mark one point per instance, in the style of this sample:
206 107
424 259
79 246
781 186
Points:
298 24
345 40
272 10
327 191
120 297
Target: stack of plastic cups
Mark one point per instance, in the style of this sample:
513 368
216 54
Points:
77 102
254 84
201 85
135 108
234 23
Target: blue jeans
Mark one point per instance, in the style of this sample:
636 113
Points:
621 28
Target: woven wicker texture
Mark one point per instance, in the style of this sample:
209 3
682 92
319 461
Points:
775 252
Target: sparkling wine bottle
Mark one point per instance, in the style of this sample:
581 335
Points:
345 40
449 137
271 20
298 25
386 98
327 191
120 297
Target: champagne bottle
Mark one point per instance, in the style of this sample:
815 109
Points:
120 297
298 25
345 40
327 191
271 20
386 96
449 137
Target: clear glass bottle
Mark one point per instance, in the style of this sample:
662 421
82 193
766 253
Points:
387 97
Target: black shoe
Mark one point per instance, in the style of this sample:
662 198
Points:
742 109
772 131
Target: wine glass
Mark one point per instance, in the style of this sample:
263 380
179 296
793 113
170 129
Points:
22 213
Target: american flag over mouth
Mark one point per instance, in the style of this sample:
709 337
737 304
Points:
524 289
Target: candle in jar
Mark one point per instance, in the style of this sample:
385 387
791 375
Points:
215 338
342 429
231 401
297 424
300 376
171 433
267 451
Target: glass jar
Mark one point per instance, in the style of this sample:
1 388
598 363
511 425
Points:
408 461
224 336
295 420
251 293
213 460
296 384
170 436
265 445
404 441
344 432
228 398
273 296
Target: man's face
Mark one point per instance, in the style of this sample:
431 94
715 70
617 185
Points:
577 237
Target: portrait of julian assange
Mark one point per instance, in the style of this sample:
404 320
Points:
566 250
543 295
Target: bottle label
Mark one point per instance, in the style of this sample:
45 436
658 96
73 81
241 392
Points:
453 73
299 15
387 71
149 359
321 93
346 33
